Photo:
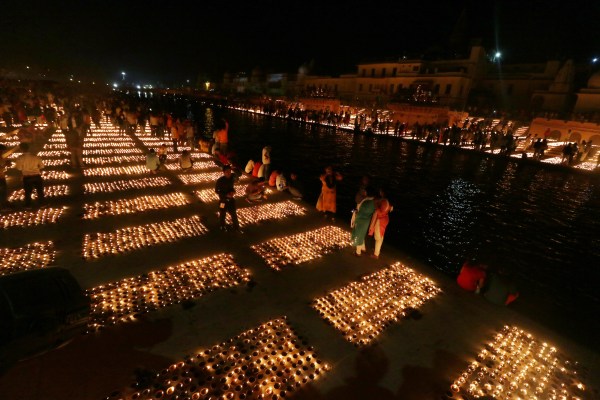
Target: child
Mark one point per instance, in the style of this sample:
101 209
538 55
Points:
152 161
185 161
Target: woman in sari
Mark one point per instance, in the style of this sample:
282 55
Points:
379 221
328 198
361 220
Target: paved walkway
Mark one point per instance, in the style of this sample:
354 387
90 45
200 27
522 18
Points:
422 333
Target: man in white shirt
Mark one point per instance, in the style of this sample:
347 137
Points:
31 166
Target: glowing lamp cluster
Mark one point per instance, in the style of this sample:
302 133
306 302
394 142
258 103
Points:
32 256
113 160
55 175
118 186
198 165
54 153
110 171
266 362
49 191
111 152
516 365
55 162
302 247
108 145
55 146
119 301
209 195
364 308
122 240
189 179
31 218
268 212
134 205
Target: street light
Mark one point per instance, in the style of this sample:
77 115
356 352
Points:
123 73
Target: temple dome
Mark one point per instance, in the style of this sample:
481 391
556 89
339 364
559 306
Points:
594 81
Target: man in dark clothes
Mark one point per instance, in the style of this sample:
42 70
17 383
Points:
225 191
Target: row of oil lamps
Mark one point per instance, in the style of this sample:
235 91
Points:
517 365
31 218
31 256
130 238
55 175
196 166
109 152
56 162
189 179
113 159
124 170
119 301
49 191
134 205
267 212
266 362
209 195
362 309
126 184
302 247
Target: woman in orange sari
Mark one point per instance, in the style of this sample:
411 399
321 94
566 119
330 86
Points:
379 221
328 198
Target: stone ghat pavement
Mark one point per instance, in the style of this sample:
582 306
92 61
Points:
281 310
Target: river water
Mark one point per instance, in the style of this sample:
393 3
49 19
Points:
541 224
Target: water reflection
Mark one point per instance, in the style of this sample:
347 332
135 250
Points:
543 225
448 224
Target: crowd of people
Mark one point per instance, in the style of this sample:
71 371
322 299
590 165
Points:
370 216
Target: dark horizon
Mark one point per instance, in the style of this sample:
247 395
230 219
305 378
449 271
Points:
168 42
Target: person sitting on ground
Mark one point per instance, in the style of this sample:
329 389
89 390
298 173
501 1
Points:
162 153
281 182
255 191
499 288
258 170
472 275
273 178
152 161
295 187
185 160
249 166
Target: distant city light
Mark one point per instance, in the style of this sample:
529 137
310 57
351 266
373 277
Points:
595 59
207 83
115 85
138 86
27 66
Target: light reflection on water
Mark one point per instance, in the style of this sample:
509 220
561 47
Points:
542 225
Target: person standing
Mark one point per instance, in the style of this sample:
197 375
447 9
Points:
361 220
75 145
379 221
327 202
31 167
266 161
223 136
226 192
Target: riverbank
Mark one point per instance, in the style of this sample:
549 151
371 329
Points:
417 357
550 160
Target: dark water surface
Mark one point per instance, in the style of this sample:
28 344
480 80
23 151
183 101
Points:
540 224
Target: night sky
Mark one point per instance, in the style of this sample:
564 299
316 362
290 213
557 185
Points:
171 41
